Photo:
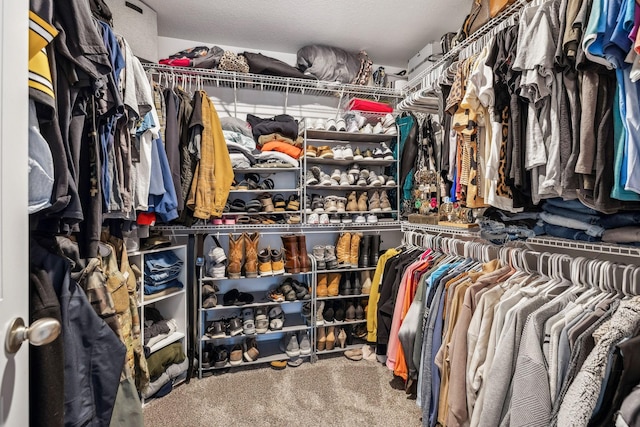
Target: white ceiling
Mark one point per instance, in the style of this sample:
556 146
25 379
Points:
390 31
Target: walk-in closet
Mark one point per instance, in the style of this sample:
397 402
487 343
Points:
284 213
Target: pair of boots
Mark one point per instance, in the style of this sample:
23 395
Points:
369 250
295 253
327 338
328 284
348 249
246 244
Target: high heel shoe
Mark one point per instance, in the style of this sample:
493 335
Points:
330 338
342 338
322 339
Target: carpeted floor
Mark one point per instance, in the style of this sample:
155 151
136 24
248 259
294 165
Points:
334 391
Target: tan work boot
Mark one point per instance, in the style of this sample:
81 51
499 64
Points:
321 288
355 249
343 248
365 280
264 262
374 202
362 202
333 287
352 204
291 260
251 254
277 261
236 249
385 205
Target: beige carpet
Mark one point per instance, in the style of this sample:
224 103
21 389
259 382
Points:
334 391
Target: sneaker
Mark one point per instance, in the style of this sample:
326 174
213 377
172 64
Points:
388 121
338 153
360 119
335 175
235 326
382 179
314 218
324 219
311 180
276 319
346 218
330 204
353 127
235 358
290 345
391 130
251 352
359 219
364 172
261 320
304 343
377 129
347 153
220 356
325 179
367 154
354 169
372 219
216 329
362 181
248 322
386 152
390 181
357 155
341 204
319 124
377 154
344 179
317 203
325 152
318 254
367 128
331 125
341 126
334 219
373 180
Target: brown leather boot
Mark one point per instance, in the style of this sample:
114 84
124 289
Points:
321 288
251 254
362 202
333 288
355 249
303 259
236 248
343 249
291 263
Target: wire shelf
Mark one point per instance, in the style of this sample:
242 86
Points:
234 80
599 248
438 229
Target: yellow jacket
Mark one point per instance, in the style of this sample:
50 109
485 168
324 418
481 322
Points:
374 295
213 175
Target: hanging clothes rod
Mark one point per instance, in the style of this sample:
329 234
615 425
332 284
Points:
418 82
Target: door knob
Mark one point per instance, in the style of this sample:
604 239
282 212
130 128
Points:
41 332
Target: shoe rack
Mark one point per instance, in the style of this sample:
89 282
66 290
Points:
255 292
171 303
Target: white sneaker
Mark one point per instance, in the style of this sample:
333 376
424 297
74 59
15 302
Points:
341 126
338 153
336 175
357 155
331 125
319 124
367 129
362 181
361 120
324 219
388 121
344 179
352 178
386 151
334 219
390 181
372 219
354 169
353 127
373 180
325 179
391 131
341 203
311 180
347 152
359 219
382 179
346 219
377 129
378 154
314 218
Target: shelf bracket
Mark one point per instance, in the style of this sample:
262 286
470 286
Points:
286 96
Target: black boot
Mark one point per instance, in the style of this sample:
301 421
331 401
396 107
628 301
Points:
357 287
375 248
365 244
345 285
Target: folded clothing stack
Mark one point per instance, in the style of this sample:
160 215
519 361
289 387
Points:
279 133
570 219
156 328
161 270
499 226
165 366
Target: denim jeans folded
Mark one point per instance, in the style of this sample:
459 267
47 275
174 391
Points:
620 219
161 260
622 235
568 233
574 205
152 289
497 232
568 213
161 278
591 230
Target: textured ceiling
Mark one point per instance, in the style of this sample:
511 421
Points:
390 31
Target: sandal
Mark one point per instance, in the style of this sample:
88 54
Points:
254 206
238 205
253 179
244 219
294 203
279 203
275 295
267 184
267 203
294 219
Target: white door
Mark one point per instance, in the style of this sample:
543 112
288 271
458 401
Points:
14 224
